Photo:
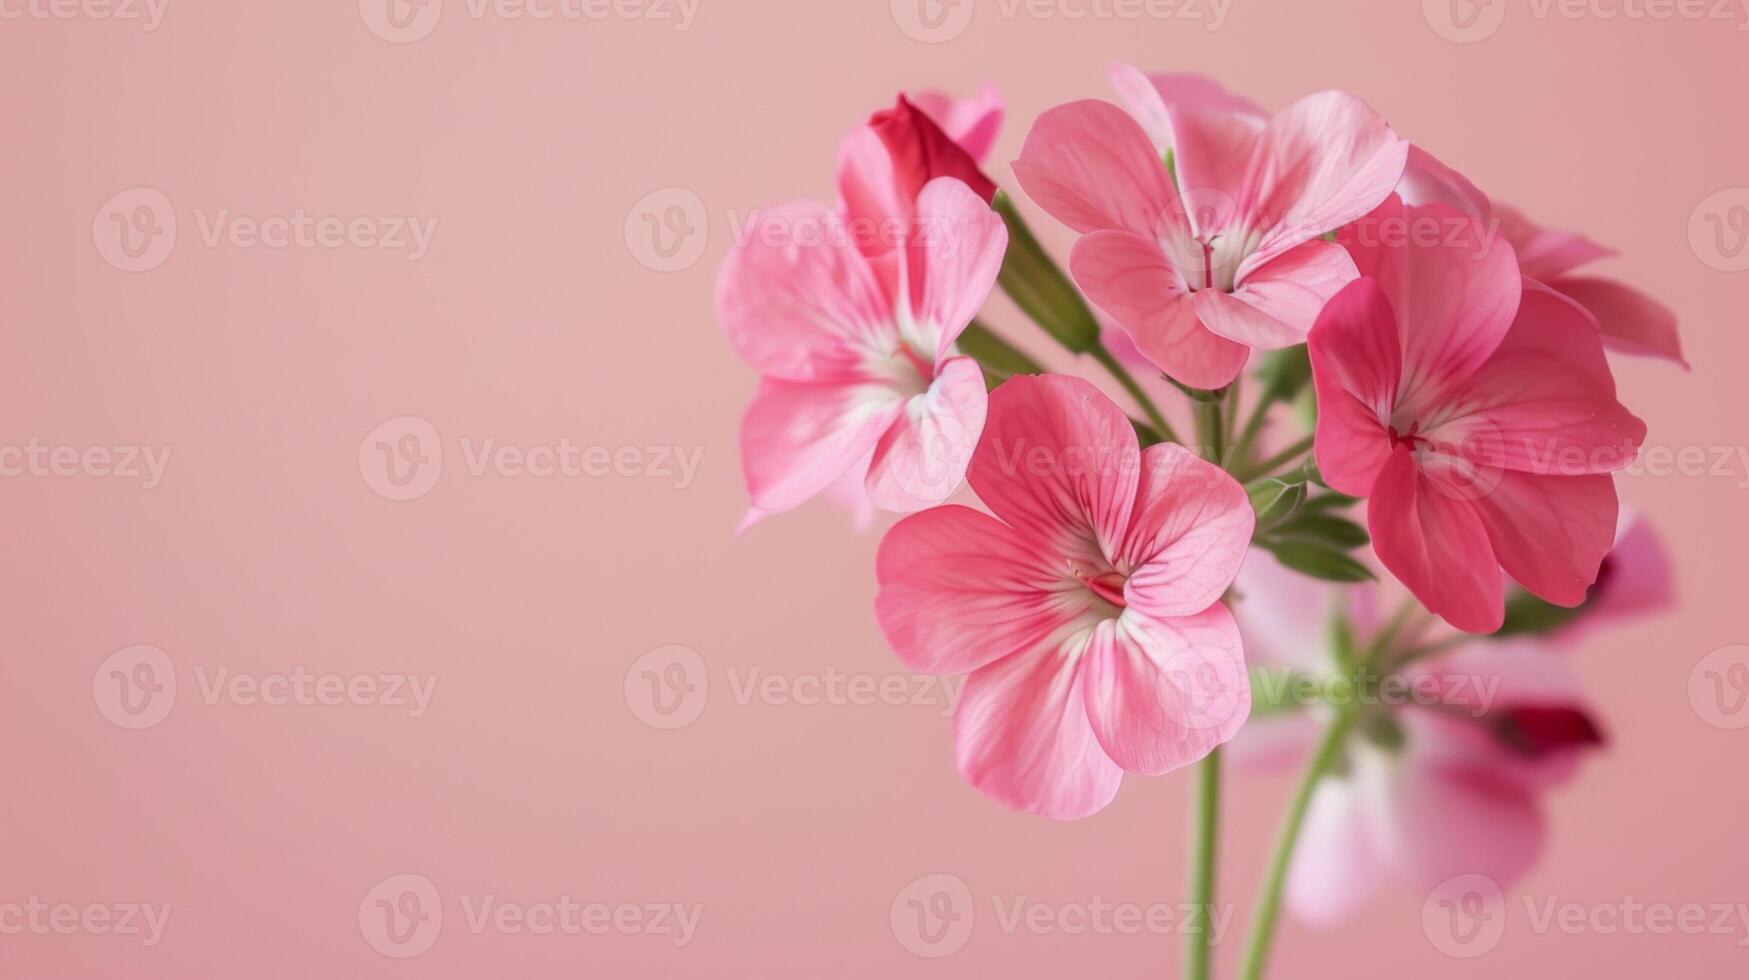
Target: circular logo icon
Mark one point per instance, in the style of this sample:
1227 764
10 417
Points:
135 687
667 230
1718 230
400 21
402 458
932 21
1718 688
1464 21
932 917
401 916
667 687
135 230
1465 916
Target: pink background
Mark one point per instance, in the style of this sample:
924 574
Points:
536 317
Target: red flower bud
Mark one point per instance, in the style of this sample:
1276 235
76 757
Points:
921 152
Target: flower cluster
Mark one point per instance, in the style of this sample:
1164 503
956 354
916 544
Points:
1304 268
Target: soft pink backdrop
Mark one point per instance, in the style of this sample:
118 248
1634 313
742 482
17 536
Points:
536 316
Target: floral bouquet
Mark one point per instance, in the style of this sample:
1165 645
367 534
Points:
1338 318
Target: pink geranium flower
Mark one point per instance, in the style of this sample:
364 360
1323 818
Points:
1450 782
1086 609
1476 411
1229 258
856 353
973 123
1631 321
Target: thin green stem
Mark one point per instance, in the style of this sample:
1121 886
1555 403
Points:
1248 435
1199 922
1210 432
1123 376
1269 900
1289 455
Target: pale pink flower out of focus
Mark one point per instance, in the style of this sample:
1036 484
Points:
1475 409
1230 258
1631 321
1085 607
1491 729
850 317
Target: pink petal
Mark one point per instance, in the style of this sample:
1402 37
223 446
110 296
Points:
1187 538
1631 321
796 439
922 458
1128 277
1276 305
921 152
1454 819
1551 532
1427 181
1325 161
1636 579
960 589
1436 544
1147 98
1161 693
1214 154
1546 253
797 299
1453 286
1343 857
958 249
1544 402
1058 462
1021 734
1091 166
1283 615
876 214
972 123
1356 365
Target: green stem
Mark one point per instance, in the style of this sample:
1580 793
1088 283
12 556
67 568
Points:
1248 435
1123 376
1200 919
1038 286
1276 462
1210 432
1000 359
1269 900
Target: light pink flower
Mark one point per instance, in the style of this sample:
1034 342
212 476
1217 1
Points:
855 363
1230 258
1475 409
1488 731
1086 610
1631 321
